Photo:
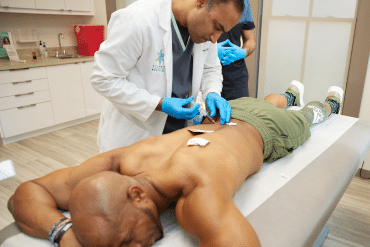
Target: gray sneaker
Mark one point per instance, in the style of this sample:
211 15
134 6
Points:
335 94
297 89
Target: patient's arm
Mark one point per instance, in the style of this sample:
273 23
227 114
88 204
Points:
209 214
35 203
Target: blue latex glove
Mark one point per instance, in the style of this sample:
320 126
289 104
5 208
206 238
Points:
229 53
223 51
214 100
174 108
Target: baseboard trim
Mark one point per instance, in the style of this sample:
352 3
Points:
21 137
364 173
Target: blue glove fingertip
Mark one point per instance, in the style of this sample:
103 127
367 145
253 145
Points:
190 98
228 114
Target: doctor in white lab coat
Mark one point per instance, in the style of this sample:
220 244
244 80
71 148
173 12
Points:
133 67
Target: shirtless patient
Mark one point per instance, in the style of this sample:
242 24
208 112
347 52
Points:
115 198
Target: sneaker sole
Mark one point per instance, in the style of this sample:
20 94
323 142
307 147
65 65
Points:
339 91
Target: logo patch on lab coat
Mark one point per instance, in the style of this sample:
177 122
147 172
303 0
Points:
159 63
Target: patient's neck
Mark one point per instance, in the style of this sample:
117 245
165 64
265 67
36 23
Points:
160 200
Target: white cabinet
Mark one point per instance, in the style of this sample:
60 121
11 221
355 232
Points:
67 5
23 4
80 5
38 98
66 92
59 7
25 119
50 4
93 100
24 101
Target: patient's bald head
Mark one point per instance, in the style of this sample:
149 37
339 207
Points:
109 209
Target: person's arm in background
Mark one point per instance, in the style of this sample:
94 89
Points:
249 41
248 36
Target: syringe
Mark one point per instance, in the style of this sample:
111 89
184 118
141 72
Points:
204 113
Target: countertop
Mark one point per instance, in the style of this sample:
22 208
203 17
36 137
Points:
6 64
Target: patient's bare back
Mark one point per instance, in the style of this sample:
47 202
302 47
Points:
232 154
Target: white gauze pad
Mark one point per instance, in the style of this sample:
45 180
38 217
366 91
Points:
197 141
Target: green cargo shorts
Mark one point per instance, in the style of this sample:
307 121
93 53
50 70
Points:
282 130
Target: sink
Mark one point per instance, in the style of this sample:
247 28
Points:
67 56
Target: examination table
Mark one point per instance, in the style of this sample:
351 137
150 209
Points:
288 201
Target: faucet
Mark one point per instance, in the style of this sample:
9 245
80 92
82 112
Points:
60 46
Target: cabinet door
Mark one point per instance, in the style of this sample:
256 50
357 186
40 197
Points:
80 5
93 100
24 4
50 4
66 92
25 119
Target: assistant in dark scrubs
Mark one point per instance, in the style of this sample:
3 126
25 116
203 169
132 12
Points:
235 83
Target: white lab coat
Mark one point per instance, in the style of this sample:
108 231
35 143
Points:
128 73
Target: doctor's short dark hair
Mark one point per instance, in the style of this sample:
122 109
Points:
239 4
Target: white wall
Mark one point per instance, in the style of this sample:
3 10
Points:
120 4
128 2
365 109
305 40
48 26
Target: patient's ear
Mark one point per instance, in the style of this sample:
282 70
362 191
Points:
137 195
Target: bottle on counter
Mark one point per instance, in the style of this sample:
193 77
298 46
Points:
41 50
46 52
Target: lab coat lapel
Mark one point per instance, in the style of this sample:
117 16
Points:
165 23
198 65
167 41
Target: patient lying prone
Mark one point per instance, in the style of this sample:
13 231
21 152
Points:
115 198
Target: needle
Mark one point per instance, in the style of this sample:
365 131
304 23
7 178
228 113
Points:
209 118
204 113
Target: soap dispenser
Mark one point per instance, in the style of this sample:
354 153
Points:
41 50
45 50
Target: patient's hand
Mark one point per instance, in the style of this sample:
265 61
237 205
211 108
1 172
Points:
69 239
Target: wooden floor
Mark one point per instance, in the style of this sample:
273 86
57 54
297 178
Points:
35 157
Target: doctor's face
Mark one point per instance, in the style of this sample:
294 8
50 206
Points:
208 24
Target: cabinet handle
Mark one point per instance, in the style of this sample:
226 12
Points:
21 107
19 82
19 95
